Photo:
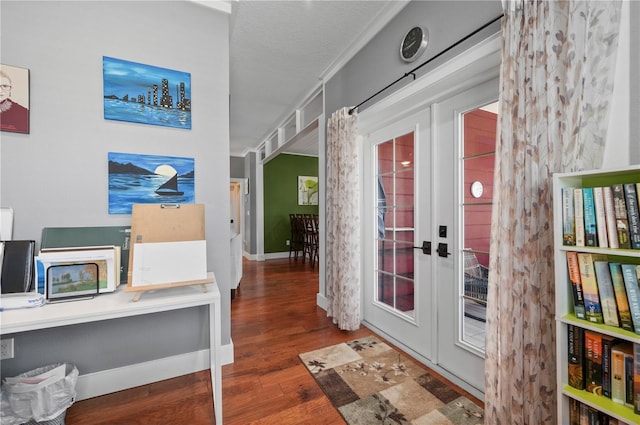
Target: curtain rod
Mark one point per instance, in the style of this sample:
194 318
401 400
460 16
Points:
412 72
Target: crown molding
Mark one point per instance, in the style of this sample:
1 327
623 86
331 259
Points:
377 24
220 5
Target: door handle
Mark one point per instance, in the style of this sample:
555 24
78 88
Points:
426 247
442 250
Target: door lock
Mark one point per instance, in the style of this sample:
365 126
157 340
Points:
442 250
426 247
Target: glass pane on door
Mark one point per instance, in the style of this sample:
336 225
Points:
479 136
395 235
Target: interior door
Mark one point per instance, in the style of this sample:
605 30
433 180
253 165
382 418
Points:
397 293
466 129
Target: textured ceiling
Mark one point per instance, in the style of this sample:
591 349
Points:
280 50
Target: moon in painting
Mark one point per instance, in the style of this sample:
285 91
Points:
166 170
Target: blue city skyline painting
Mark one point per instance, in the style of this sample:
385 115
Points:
149 179
146 94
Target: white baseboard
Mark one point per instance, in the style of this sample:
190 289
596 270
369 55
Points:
321 301
118 379
226 353
253 257
276 255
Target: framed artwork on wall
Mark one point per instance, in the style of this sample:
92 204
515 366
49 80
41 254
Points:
14 99
146 94
149 179
307 190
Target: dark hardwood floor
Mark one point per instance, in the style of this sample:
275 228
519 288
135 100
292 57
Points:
274 318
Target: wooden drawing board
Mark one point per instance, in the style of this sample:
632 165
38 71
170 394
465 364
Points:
165 223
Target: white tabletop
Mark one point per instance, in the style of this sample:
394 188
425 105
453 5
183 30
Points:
106 306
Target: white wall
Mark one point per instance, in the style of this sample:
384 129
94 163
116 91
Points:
634 82
619 130
57 174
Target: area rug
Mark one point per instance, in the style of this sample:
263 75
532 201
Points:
370 383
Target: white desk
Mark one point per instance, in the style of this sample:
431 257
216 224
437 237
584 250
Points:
120 304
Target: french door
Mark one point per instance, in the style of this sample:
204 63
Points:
427 228
466 129
398 296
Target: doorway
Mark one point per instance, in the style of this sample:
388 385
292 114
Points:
399 282
429 253
237 193
463 198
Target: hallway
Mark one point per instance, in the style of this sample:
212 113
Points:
274 318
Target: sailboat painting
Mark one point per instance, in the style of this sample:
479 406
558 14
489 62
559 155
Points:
149 179
170 188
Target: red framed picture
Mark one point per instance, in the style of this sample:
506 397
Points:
14 99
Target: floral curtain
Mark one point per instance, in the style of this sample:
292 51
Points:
558 61
343 221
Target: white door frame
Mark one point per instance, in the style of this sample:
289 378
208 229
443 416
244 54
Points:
474 66
243 218
321 299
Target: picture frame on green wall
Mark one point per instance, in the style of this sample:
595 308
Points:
307 190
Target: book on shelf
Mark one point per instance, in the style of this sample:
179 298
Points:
575 338
638 195
64 237
636 378
590 227
633 214
593 308
584 414
593 362
16 267
628 378
568 217
620 293
630 277
578 213
574 411
576 285
622 221
601 222
106 257
618 382
607 343
607 297
594 416
610 217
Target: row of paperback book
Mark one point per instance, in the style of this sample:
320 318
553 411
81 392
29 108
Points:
605 217
605 291
582 414
605 366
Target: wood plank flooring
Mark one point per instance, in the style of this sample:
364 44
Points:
274 318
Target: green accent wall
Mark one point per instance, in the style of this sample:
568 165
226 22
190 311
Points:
280 176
